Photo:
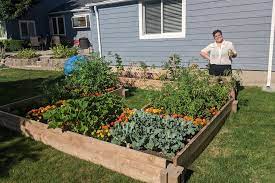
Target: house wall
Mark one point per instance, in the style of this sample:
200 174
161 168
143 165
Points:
245 23
73 33
39 13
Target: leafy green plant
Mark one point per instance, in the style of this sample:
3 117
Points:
192 94
91 76
27 54
61 51
85 115
173 66
55 90
145 131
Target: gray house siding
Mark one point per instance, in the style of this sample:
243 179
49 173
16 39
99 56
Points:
245 23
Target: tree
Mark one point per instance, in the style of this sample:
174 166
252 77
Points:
11 9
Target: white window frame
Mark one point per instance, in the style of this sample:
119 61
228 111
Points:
57 26
5 35
20 28
162 35
81 15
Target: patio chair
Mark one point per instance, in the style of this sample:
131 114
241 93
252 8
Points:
35 43
44 42
55 40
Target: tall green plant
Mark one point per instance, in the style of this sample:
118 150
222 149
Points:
173 66
119 66
91 76
192 94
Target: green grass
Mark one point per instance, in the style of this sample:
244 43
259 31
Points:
16 84
243 151
24 160
137 98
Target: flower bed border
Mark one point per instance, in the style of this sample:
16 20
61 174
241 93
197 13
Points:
136 164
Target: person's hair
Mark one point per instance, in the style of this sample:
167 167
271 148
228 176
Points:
216 31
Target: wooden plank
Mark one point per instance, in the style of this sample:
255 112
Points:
141 166
21 103
199 142
119 91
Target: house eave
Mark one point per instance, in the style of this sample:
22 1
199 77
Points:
69 11
106 2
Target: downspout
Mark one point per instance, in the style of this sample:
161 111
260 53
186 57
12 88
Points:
98 31
269 71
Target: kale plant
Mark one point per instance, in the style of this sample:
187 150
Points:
145 131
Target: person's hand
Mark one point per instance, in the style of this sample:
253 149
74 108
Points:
230 53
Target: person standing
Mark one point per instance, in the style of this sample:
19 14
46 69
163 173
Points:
219 54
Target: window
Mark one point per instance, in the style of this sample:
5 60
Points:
58 26
27 28
3 31
162 19
80 21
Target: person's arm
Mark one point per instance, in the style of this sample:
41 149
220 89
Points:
205 53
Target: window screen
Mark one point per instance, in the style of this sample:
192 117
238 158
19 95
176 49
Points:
152 17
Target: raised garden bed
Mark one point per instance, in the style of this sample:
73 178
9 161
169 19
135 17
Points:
139 165
142 83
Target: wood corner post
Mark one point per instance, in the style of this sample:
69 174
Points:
172 174
234 106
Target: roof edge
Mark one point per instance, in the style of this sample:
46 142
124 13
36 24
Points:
69 11
106 2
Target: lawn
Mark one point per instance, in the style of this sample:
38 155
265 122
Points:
243 151
16 84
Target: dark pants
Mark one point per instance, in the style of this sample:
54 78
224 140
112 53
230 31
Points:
220 70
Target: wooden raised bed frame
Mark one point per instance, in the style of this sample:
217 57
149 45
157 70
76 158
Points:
136 164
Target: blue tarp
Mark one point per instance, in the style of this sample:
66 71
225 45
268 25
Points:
69 65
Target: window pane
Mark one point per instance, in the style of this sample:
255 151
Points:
24 29
79 21
2 29
61 25
172 16
54 26
31 29
152 16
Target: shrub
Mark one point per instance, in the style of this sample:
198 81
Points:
85 115
61 51
27 54
151 132
14 45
